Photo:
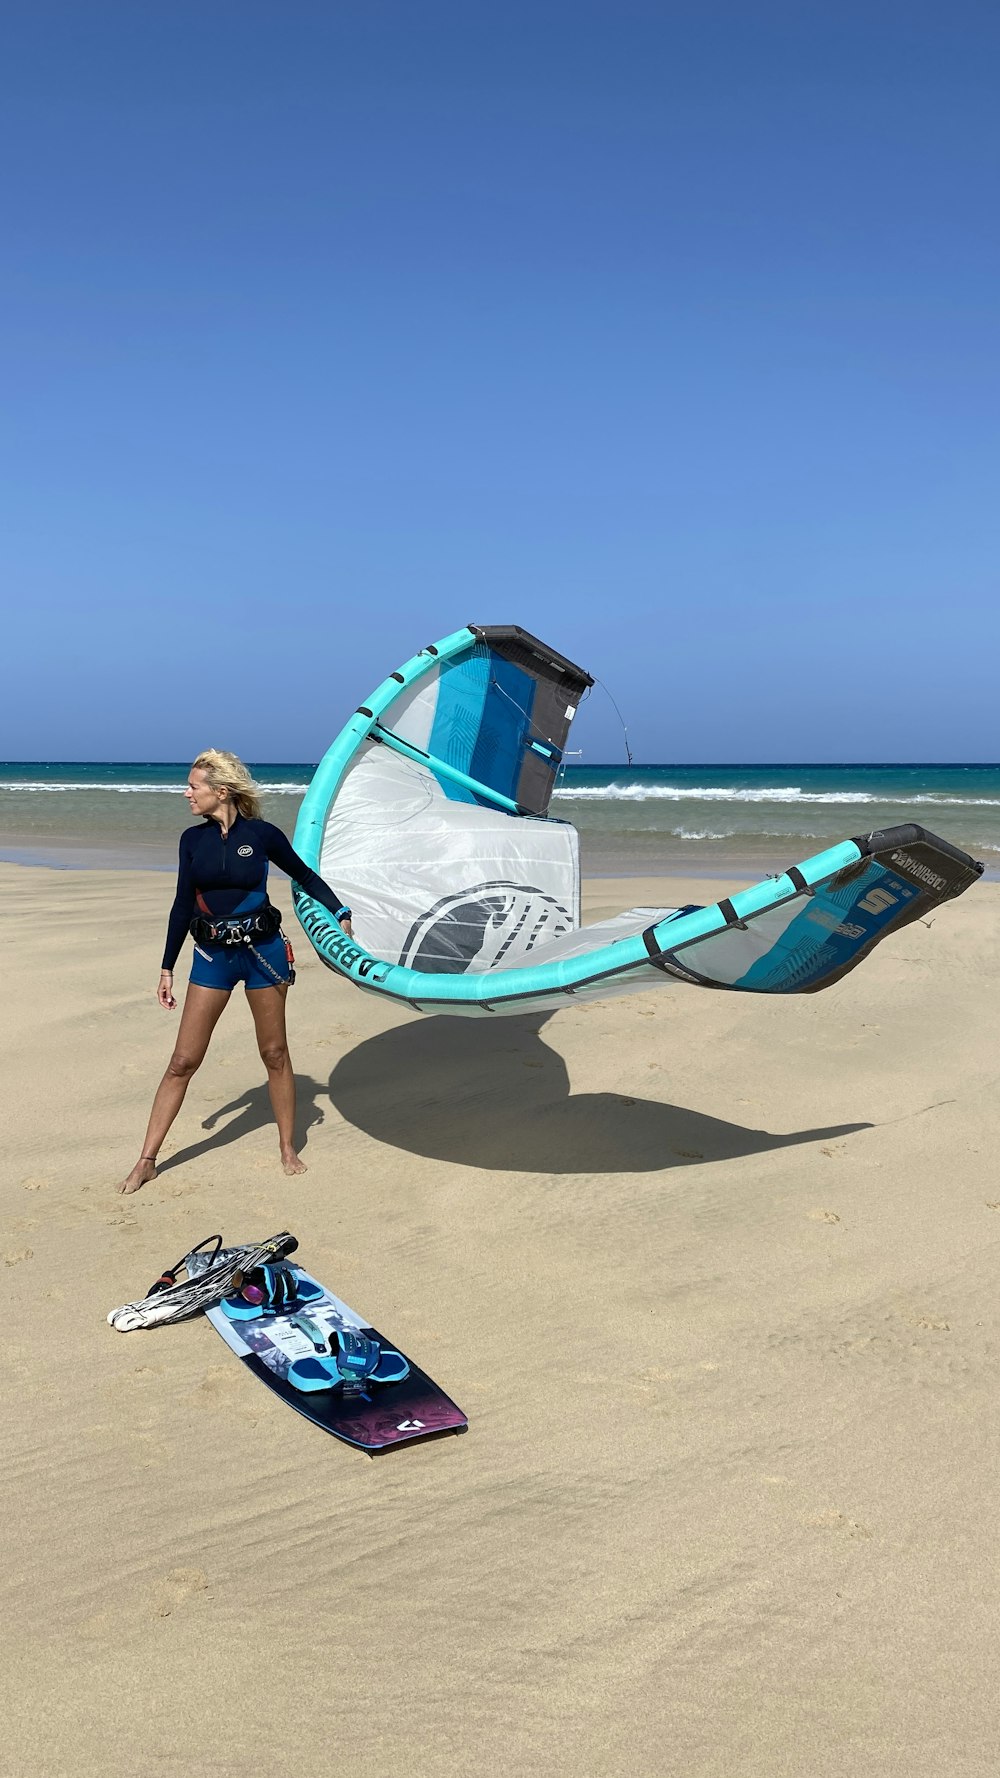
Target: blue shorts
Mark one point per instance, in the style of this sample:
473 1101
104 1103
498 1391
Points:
229 965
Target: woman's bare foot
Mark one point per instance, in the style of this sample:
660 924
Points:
292 1163
141 1174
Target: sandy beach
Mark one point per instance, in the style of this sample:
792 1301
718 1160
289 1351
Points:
712 1275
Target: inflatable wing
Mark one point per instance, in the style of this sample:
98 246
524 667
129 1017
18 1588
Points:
430 814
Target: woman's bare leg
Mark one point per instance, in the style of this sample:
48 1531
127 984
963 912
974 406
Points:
268 1008
203 1008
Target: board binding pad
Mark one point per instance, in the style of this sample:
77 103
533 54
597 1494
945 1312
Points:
371 1419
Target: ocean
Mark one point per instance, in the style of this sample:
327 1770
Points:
719 820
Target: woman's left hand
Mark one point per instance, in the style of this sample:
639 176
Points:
345 926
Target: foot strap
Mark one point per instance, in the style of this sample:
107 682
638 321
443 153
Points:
274 1289
357 1361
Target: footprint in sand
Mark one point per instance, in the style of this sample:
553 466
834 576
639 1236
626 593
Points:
34 1183
836 1521
823 1216
219 1381
15 1256
154 1452
177 1587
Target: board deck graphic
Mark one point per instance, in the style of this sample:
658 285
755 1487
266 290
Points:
375 1417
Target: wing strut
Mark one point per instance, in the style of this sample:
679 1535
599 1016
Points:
398 745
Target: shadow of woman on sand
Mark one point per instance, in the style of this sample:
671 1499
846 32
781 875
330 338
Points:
497 1096
253 1112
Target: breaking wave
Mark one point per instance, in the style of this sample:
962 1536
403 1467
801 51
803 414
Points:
786 793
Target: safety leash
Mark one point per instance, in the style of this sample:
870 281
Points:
287 981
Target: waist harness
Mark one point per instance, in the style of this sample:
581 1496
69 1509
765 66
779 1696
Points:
238 929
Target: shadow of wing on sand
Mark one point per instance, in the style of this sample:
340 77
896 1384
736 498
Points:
497 1096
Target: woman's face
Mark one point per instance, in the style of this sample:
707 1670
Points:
201 798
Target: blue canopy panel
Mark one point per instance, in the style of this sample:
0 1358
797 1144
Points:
490 719
810 940
429 815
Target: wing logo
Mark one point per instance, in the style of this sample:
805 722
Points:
477 928
914 868
410 1426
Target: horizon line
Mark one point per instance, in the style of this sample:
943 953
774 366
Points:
589 766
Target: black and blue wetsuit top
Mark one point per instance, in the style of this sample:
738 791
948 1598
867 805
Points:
224 874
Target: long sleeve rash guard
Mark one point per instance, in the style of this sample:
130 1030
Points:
220 873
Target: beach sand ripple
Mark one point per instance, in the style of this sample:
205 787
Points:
714 1278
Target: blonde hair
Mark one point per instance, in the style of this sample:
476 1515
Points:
226 772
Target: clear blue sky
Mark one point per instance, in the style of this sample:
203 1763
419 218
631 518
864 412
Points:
668 331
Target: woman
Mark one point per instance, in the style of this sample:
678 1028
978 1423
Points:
222 898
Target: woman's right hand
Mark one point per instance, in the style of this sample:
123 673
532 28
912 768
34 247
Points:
165 991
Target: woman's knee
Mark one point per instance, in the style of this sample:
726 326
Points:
274 1057
182 1065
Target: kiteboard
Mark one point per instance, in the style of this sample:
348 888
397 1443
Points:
318 1355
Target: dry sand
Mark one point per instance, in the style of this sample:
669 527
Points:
712 1276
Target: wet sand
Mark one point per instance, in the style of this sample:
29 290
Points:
713 1276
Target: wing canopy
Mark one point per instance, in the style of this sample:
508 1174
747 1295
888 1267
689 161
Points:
430 813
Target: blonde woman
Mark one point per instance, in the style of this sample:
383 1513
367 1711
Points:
222 900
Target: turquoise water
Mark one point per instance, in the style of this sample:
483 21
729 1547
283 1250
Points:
785 811
631 818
